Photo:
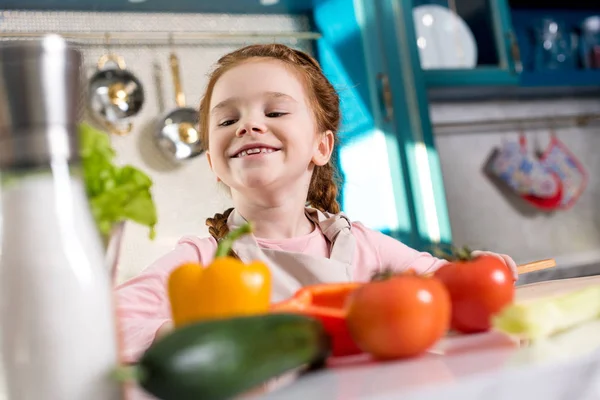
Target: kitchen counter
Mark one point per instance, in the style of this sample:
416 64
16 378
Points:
566 366
463 367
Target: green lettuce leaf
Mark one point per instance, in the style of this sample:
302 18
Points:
116 193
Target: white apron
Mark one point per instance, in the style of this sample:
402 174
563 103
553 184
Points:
289 270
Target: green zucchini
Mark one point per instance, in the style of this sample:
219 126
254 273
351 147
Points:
220 359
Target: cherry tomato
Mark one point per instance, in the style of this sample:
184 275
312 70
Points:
479 288
398 317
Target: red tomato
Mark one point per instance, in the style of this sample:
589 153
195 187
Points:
479 288
399 317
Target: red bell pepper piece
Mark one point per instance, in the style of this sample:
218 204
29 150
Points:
325 302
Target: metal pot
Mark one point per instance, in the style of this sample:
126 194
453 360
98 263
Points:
115 94
178 135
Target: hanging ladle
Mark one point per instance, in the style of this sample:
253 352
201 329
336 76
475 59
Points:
178 136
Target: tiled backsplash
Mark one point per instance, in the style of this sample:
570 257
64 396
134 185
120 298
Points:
482 217
185 195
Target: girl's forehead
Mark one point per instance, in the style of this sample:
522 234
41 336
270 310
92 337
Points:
258 76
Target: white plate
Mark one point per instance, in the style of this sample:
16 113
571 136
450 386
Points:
443 38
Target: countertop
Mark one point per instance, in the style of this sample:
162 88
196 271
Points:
565 367
488 366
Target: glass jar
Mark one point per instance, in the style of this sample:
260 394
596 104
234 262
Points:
57 317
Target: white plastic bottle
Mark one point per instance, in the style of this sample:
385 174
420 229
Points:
57 316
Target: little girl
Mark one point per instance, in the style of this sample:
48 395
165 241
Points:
269 119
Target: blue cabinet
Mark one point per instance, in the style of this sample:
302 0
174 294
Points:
392 177
410 134
515 42
465 42
555 45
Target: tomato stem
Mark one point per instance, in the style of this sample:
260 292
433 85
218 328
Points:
388 273
225 244
454 254
382 274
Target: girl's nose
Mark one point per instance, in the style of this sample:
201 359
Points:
251 126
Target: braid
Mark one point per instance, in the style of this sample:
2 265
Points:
217 225
323 190
218 228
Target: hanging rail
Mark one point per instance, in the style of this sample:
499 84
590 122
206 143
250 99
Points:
164 38
500 125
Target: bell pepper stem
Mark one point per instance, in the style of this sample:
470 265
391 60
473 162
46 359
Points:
224 246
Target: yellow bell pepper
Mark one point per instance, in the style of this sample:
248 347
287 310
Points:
225 288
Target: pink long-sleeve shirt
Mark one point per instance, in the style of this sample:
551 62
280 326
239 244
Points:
143 305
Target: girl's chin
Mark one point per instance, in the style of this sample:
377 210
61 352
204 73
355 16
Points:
258 181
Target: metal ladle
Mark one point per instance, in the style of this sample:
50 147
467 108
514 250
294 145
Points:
178 136
115 94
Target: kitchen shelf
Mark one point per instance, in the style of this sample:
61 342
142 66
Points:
510 92
478 126
468 77
575 78
499 81
523 21
162 38
177 6
526 79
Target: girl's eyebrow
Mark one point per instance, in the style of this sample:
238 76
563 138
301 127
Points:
232 100
280 95
224 104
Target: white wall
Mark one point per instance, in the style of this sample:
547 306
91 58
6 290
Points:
481 216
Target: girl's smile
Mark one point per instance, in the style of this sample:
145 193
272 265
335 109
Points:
254 150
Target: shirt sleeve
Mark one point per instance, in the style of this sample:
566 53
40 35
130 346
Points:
142 302
395 255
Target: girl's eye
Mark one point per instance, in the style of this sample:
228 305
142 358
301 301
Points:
276 114
227 123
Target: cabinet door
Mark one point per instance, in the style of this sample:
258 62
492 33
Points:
464 42
409 133
377 158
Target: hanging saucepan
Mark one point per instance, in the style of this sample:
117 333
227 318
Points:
178 136
115 95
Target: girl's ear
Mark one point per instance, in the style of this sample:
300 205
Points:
209 160
324 148
210 164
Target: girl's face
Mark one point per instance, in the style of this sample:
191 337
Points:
262 131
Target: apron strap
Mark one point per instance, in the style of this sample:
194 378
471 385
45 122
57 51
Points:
335 227
293 270
337 230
